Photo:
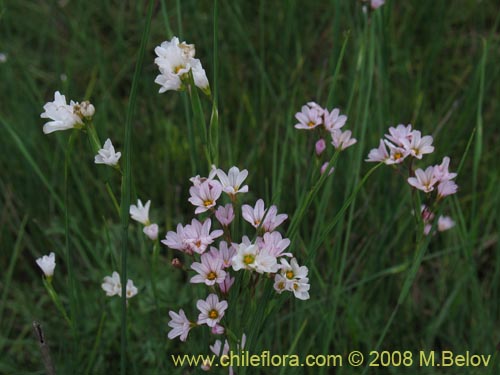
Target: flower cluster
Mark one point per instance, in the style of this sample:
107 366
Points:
175 61
113 286
215 254
402 144
65 116
140 213
329 123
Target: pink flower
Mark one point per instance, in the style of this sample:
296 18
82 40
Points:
445 223
320 146
217 330
226 284
441 171
423 180
446 188
274 244
205 195
255 216
379 154
225 214
333 120
272 219
397 154
341 140
198 235
400 134
377 3
226 254
418 145
309 118
231 182
211 310
323 168
180 325
209 270
177 240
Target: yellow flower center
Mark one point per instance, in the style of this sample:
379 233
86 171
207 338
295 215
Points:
207 202
198 243
295 286
213 314
212 276
177 68
281 285
289 274
311 124
398 155
248 259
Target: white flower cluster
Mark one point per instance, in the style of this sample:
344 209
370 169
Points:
175 60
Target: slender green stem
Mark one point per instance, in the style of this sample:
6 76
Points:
127 185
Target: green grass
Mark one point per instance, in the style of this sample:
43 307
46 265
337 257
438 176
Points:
428 62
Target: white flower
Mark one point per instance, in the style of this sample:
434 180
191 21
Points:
292 270
140 213
151 231
232 181
112 285
61 114
397 154
245 257
180 325
107 154
301 288
175 60
47 263
211 310
309 117
3 57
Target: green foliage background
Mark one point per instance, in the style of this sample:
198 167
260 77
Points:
431 63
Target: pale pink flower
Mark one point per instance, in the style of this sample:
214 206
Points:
226 284
209 270
231 182
308 118
131 289
198 235
204 196
423 180
333 120
441 171
397 154
341 140
211 310
151 231
217 330
400 134
112 284
376 3
177 240
418 145
320 146
281 283
274 244
253 215
446 188
226 254
316 106
180 325
197 180
272 219
225 214
324 166
445 223
379 154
